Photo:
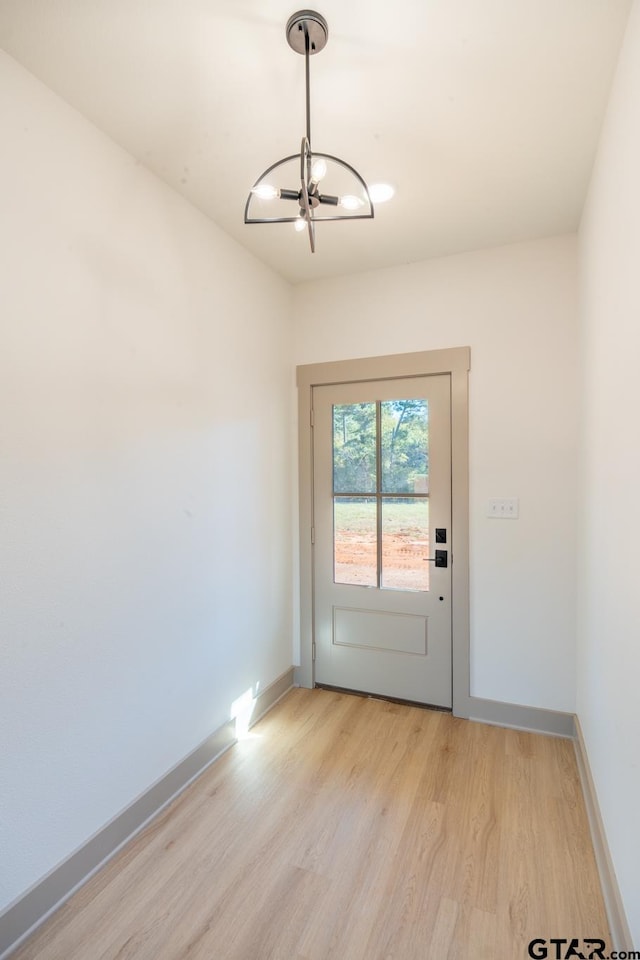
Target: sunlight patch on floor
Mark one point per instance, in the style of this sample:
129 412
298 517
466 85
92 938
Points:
242 711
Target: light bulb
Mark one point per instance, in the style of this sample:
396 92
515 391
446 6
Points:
266 191
351 203
299 224
318 169
380 192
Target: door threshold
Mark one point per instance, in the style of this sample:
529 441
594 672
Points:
383 697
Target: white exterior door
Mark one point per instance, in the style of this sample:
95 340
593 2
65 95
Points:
382 522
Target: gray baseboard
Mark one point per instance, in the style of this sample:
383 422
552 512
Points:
618 926
23 916
534 719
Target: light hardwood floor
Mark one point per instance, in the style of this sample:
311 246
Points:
350 828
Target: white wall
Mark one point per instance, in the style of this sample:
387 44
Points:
609 624
145 425
516 308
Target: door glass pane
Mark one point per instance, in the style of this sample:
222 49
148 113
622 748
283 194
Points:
405 543
354 448
354 541
405 446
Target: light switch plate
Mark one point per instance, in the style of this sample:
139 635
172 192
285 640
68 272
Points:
504 508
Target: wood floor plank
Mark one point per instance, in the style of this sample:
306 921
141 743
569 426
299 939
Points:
349 828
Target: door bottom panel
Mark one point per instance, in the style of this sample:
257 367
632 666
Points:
380 630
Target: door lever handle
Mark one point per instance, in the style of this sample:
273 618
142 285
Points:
441 558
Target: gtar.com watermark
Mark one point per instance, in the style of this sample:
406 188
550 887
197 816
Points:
559 948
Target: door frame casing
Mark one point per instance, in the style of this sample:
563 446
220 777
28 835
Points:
456 363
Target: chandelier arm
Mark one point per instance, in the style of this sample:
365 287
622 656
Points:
307 216
327 198
289 194
305 168
305 207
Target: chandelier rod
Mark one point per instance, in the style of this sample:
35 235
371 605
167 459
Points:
307 80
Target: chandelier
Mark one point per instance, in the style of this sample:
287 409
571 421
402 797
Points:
329 188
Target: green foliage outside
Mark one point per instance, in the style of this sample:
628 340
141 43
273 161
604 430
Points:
404 446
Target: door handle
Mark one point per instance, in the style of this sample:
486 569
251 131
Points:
441 558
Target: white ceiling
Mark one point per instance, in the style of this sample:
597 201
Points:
484 114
